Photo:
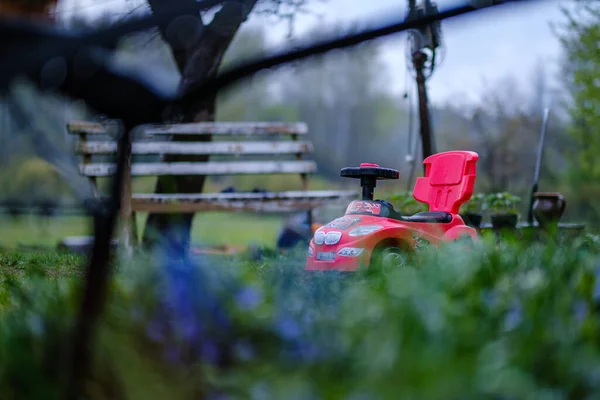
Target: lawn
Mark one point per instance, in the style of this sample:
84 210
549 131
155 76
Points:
209 228
238 229
53 265
510 320
506 320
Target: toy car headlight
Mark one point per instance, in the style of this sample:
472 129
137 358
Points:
364 230
332 238
311 252
350 252
319 237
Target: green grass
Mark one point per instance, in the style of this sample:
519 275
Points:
505 320
238 229
209 228
34 231
232 228
53 265
510 320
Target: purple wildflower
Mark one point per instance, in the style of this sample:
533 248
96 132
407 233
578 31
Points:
190 306
596 294
300 350
248 298
210 351
260 391
244 351
180 293
513 317
217 396
154 331
580 310
288 328
489 297
173 354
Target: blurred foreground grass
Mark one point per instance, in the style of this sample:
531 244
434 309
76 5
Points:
506 321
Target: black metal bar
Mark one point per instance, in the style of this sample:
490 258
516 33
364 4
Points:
412 143
233 75
57 43
538 164
97 275
51 43
46 36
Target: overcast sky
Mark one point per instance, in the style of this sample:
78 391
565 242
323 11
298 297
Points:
504 41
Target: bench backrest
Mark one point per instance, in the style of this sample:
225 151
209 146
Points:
266 140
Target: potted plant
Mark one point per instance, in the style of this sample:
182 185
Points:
473 210
405 203
398 199
503 210
411 206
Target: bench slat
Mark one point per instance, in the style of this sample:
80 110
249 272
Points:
201 128
90 128
255 202
206 148
204 168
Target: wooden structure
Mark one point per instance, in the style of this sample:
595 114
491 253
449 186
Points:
279 148
34 9
562 229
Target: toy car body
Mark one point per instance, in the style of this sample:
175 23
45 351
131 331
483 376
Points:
372 230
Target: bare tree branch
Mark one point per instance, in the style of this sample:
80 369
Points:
183 33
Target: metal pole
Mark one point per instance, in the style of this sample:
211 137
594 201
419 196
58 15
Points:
538 164
411 176
419 59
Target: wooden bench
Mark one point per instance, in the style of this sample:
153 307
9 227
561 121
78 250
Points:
276 148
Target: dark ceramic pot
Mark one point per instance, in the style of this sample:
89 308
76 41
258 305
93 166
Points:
472 219
548 207
503 221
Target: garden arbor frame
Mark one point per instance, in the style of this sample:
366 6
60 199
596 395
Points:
138 102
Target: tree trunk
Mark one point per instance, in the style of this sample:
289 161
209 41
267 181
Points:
198 50
34 9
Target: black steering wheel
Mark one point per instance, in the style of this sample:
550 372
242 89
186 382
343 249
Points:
369 174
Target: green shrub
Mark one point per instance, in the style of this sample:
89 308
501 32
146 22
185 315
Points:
502 203
405 203
475 204
32 179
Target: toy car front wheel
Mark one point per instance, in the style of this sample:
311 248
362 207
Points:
389 259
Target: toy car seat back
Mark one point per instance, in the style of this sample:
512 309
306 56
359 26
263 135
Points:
448 182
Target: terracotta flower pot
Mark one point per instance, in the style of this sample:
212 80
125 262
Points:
548 207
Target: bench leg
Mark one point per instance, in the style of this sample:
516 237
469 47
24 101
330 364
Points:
309 219
127 235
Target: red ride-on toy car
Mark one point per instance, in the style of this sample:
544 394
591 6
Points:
371 231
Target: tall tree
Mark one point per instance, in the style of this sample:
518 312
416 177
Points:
581 67
504 128
198 49
343 98
245 101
